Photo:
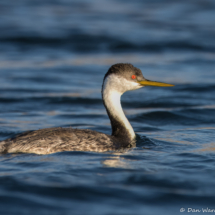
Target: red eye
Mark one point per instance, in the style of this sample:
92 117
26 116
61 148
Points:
133 76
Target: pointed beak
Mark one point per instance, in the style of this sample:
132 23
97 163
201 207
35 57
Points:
154 83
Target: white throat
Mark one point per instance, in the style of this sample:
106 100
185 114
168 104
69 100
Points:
113 88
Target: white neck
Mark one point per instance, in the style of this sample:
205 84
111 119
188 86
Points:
111 92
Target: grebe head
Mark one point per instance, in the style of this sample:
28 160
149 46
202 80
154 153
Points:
123 77
119 79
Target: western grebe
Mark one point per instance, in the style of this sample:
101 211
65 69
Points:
119 79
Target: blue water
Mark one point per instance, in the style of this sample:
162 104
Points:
53 57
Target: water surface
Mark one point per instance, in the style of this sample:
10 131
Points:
53 57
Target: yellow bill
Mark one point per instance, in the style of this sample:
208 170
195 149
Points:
154 83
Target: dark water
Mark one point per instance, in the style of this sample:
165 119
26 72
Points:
53 56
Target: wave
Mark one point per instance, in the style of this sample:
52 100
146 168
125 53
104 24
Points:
198 88
89 43
183 117
54 100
